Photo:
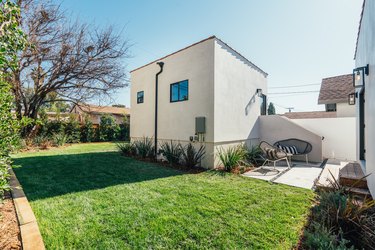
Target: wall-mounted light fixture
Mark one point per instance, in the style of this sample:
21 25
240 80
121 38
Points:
259 92
358 74
351 98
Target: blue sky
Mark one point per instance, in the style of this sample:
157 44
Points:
297 42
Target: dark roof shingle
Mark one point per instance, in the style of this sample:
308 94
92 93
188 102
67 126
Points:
336 89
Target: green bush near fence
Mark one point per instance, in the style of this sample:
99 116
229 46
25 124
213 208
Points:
58 132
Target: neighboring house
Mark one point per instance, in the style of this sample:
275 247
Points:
207 93
96 112
365 71
310 115
334 93
336 121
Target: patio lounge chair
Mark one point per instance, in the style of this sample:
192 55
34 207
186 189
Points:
295 147
273 154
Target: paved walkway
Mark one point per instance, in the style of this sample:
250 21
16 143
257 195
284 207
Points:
300 175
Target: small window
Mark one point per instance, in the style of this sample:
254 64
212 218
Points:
331 107
140 95
180 91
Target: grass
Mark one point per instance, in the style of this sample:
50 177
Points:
87 197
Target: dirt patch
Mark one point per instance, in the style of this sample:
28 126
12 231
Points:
10 236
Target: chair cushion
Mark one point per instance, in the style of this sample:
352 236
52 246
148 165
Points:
288 149
271 153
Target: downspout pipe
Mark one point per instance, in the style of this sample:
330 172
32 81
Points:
161 65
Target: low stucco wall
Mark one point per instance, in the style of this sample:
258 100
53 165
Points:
339 135
274 128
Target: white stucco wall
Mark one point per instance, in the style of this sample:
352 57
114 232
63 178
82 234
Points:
222 88
237 106
175 120
339 135
275 128
345 110
366 55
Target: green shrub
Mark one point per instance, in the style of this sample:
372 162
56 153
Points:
124 133
145 147
41 141
12 40
231 157
127 149
319 237
172 152
87 131
50 128
4 175
73 130
346 213
253 154
60 139
192 157
108 129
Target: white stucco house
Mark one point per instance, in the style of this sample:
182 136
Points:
364 74
207 93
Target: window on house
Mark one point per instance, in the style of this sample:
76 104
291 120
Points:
263 105
140 95
179 91
331 107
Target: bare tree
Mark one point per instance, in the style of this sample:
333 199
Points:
77 61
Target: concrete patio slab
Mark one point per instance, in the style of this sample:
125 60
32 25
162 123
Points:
301 175
331 167
266 173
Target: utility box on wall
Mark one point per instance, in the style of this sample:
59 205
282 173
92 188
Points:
200 125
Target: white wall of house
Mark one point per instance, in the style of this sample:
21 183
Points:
339 135
222 86
237 106
345 110
366 55
175 120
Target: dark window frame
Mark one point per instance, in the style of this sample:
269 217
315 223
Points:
143 97
179 98
332 108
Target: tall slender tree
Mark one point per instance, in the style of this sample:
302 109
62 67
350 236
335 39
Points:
271 109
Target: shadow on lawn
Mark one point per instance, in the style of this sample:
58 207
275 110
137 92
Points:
48 176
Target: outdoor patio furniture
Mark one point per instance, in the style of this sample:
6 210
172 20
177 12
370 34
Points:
273 154
295 147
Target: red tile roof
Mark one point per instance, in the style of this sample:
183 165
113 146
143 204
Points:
310 115
336 89
103 109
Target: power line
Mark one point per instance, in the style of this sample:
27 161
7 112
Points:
295 92
295 86
278 105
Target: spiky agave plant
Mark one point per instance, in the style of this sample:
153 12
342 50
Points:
232 157
145 147
172 152
127 149
192 157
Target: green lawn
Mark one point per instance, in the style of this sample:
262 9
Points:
87 197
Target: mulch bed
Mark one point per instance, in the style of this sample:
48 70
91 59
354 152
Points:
10 236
